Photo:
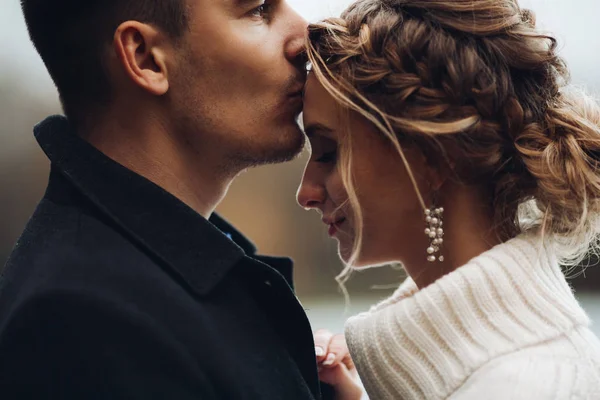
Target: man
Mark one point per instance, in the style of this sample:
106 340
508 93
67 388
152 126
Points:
124 284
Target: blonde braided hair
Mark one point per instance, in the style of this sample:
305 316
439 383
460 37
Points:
475 82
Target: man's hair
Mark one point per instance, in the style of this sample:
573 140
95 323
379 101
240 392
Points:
72 37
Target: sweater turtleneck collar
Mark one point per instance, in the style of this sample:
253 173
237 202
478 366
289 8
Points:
423 344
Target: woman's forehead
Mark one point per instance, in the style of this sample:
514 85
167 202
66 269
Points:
320 108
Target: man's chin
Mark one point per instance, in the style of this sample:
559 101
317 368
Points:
286 154
287 148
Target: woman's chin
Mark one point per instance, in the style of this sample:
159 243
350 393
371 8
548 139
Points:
362 261
345 255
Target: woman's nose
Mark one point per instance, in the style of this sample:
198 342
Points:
310 195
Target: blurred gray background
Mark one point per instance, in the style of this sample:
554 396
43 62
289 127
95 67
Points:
262 202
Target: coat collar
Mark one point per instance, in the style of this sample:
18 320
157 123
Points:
200 251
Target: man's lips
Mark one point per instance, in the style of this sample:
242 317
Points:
299 93
296 101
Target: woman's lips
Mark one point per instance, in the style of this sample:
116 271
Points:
334 227
332 230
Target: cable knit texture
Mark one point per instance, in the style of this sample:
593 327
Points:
504 326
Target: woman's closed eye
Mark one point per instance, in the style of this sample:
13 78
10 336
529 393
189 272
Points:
327 157
324 149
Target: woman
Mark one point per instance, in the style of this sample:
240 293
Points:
444 137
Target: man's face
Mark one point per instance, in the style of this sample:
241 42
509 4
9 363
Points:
239 80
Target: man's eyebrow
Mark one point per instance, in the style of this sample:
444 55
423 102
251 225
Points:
312 129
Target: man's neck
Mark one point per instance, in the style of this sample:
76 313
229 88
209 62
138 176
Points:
149 149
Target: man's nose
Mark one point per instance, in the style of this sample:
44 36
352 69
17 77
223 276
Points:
295 47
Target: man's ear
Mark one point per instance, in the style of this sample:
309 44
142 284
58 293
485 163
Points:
142 53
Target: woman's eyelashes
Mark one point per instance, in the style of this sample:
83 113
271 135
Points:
324 150
327 157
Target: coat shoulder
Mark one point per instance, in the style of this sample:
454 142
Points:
63 248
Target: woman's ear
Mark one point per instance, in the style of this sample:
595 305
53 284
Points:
440 168
442 174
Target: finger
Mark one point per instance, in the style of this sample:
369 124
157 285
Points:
349 363
338 353
322 338
335 376
345 383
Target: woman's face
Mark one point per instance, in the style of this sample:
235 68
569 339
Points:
393 220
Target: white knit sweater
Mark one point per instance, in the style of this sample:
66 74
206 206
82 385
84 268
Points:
504 326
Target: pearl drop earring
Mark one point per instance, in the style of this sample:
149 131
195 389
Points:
435 232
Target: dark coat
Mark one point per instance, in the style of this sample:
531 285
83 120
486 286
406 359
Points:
117 290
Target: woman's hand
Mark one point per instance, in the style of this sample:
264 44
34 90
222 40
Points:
336 367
